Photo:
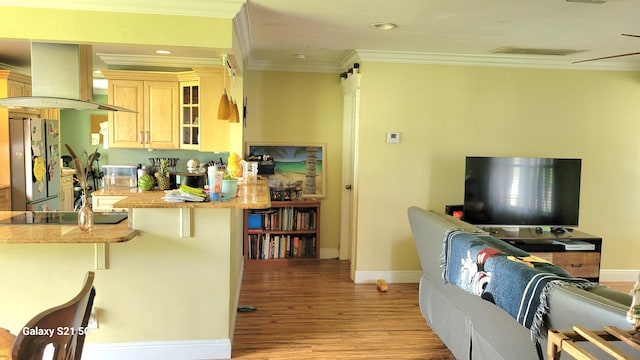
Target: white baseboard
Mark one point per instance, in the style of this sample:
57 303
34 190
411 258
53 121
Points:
613 275
398 276
408 276
160 350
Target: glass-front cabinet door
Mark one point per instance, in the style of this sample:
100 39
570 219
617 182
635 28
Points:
190 115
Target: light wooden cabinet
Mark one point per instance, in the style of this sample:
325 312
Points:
190 115
5 198
174 110
582 264
20 85
104 203
19 88
215 134
51 114
66 192
578 263
155 98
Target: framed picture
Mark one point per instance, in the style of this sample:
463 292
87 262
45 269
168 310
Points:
299 169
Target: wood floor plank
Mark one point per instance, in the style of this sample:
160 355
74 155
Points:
314 311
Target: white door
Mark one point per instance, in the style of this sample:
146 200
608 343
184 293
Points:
351 93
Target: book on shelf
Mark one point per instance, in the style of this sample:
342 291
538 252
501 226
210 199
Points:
269 246
288 219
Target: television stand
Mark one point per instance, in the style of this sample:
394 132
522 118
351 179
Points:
562 249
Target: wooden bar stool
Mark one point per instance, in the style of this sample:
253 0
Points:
568 341
67 324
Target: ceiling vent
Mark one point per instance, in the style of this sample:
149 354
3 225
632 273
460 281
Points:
534 51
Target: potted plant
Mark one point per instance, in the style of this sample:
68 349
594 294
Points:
85 214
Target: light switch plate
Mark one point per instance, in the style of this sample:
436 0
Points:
393 137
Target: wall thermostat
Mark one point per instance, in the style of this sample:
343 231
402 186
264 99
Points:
393 137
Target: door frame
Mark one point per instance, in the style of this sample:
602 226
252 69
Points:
349 207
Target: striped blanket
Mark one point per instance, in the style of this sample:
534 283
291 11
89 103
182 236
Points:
505 275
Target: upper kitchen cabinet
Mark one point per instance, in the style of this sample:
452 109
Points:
17 84
200 96
19 87
156 98
174 110
190 115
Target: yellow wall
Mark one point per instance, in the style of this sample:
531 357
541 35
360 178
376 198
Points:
158 286
286 107
447 112
111 27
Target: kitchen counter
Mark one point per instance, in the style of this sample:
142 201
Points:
53 233
187 255
250 196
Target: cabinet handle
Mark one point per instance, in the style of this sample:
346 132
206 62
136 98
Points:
146 137
140 139
576 265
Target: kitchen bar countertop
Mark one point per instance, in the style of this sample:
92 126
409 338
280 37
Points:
63 233
250 196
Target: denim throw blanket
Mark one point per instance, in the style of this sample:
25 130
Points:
504 275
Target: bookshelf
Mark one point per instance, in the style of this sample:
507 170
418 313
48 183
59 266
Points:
287 232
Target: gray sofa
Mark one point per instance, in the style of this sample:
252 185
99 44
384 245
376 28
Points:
473 328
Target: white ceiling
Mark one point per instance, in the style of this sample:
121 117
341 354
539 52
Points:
274 33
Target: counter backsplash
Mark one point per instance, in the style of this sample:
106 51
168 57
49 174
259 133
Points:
135 157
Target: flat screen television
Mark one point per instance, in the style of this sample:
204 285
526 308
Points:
521 191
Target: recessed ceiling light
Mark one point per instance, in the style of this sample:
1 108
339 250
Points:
383 25
163 52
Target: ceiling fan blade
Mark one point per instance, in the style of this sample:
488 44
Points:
607 57
632 35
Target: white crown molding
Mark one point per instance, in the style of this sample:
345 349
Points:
489 60
362 55
306 66
160 61
242 32
15 69
226 9
352 58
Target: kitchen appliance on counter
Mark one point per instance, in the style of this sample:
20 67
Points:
35 164
119 177
196 180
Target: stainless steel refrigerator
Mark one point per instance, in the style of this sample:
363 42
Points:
35 164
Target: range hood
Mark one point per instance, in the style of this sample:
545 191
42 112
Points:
61 76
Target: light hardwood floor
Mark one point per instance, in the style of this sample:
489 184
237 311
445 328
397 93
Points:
313 311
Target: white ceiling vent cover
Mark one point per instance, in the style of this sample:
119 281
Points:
534 51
